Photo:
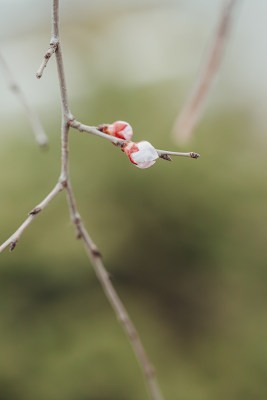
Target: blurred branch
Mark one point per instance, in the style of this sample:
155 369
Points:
188 117
37 128
13 240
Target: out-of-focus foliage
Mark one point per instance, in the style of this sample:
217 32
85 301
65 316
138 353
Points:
185 243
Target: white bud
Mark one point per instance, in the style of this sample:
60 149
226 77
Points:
142 154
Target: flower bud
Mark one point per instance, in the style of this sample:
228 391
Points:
119 129
142 154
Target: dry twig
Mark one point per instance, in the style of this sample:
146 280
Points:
37 128
13 239
52 49
188 117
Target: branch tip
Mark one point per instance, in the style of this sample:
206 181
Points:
44 146
37 128
52 49
194 155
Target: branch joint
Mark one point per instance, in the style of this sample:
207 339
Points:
54 42
63 181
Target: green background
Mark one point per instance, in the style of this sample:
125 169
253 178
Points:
185 243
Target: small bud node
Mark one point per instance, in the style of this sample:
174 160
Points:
165 157
96 252
35 211
194 155
13 245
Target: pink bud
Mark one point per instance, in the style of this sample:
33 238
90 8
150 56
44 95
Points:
119 129
142 154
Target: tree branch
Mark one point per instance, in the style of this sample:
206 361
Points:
47 56
118 142
37 128
13 239
188 117
165 154
54 42
123 318
94 131
64 182
92 251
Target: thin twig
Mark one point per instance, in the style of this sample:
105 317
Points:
37 128
164 154
54 42
190 113
13 239
46 58
90 247
94 131
123 318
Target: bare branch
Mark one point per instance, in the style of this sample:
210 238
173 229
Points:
37 128
94 131
47 56
54 42
92 251
123 317
163 154
188 117
13 240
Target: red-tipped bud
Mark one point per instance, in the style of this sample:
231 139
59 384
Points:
119 129
142 154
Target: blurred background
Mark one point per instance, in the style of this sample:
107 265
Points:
185 242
